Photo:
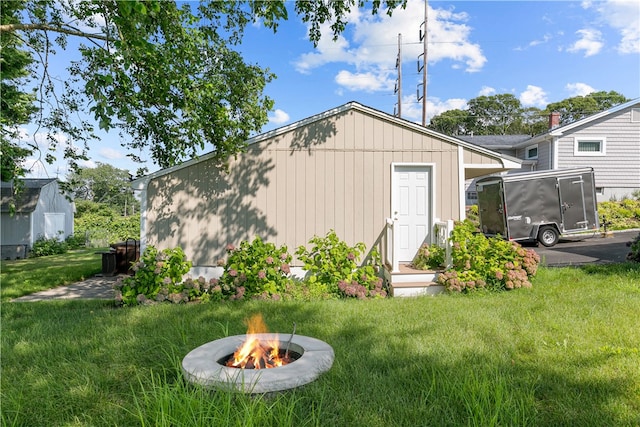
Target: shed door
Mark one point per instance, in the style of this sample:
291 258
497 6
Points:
54 226
411 209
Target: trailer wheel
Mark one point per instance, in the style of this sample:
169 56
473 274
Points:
548 236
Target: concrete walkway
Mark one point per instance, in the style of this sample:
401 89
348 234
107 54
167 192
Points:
97 287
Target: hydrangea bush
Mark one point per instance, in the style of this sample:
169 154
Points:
255 269
333 264
429 257
158 276
492 263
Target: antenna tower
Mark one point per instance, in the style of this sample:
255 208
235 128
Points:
398 88
423 66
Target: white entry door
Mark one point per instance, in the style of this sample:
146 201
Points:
411 208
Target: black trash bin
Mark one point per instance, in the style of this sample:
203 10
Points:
126 253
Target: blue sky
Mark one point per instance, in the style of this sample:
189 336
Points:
540 52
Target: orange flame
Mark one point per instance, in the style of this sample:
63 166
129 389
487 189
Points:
255 354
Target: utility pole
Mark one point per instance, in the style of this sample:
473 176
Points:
423 68
398 88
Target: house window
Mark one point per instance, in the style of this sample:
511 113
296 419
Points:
600 191
472 195
635 115
589 146
531 152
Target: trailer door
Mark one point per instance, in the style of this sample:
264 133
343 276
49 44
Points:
491 209
572 203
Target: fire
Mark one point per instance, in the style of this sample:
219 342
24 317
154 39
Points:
256 354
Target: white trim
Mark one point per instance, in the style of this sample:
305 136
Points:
462 195
531 147
601 139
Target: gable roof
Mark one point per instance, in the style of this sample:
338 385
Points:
27 200
140 182
561 130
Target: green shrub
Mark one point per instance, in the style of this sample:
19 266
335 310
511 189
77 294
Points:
102 225
429 257
634 254
333 264
76 241
159 277
620 215
255 269
479 262
44 247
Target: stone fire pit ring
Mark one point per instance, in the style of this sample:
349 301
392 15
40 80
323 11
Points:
200 366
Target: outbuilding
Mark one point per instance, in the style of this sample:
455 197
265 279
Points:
352 169
37 208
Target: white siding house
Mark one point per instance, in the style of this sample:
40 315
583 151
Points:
608 141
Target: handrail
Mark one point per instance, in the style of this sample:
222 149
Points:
441 233
390 241
385 245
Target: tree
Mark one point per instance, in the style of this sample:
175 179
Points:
578 107
495 115
166 77
16 106
104 184
504 115
451 122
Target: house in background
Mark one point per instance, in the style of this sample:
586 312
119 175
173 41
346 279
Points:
353 169
39 210
608 141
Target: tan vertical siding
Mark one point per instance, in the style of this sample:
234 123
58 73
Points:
334 173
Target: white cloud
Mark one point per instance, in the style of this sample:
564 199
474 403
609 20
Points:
279 117
533 96
372 50
486 91
368 82
579 89
590 42
111 154
623 16
412 110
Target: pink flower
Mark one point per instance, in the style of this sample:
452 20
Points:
261 274
233 273
283 256
285 268
230 247
269 260
351 256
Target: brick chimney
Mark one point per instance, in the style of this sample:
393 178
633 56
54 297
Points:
554 120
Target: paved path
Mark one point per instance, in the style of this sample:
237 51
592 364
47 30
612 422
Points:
93 288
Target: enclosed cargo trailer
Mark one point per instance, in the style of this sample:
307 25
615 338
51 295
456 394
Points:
538 206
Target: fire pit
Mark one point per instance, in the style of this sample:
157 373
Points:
307 358
258 362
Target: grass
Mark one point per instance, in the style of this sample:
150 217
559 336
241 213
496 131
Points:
24 277
565 352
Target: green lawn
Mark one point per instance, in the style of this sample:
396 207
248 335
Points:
566 352
24 277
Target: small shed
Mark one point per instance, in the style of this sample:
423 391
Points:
352 169
37 209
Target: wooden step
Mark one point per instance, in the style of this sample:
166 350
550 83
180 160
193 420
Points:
413 289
